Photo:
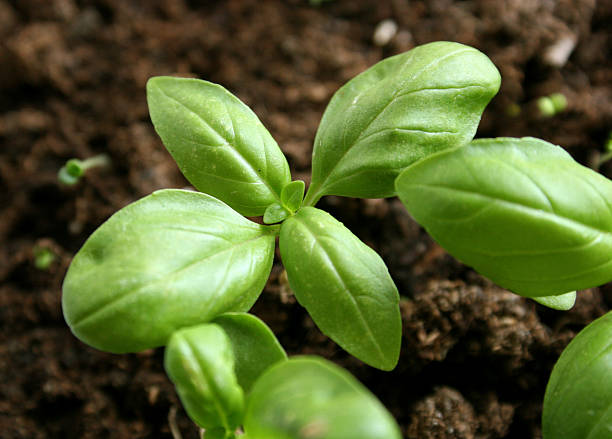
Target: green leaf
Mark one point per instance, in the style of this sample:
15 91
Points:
520 211
173 259
561 302
344 285
578 399
275 213
312 398
397 112
200 362
219 433
255 346
218 143
292 195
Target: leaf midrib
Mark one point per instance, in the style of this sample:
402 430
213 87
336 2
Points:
211 385
335 272
517 205
395 95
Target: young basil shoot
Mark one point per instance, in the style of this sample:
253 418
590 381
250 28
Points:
43 258
552 105
178 268
74 169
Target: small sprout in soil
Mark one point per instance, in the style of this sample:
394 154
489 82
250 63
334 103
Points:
43 258
513 110
74 169
607 155
180 268
552 105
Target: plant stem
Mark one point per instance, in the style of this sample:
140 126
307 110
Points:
311 198
95 161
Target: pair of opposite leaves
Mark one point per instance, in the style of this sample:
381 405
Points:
520 211
232 372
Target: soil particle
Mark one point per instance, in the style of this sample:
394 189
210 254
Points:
444 414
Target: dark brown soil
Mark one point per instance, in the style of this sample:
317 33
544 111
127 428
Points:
475 358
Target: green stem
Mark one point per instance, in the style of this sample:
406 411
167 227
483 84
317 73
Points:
603 158
311 197
95 161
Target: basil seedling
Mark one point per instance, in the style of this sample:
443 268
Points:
179 268
232 372
74 169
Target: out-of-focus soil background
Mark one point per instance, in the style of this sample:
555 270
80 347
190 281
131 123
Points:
475 359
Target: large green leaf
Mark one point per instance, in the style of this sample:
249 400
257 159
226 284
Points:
200 362
172 259
255 346
344 285
218 143
578 400
312 398
520 211
398 111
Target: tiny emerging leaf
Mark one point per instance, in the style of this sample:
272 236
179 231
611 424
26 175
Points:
275 213
344 285
292 195
218 143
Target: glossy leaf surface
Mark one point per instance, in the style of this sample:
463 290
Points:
344 285
397 112
307 397
520 211
255 346
172 259
578 400
275 213
218 143
200 362
292 195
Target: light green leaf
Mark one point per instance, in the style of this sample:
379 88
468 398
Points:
275 213
173 259
578 399
200 362
397 112
292 195
312 398
255 346
218 143
561 302
344 285
520 211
